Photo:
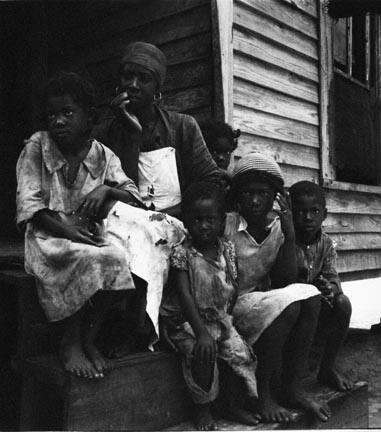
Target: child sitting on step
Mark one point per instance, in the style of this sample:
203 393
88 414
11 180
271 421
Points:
198 311
66 184
316 257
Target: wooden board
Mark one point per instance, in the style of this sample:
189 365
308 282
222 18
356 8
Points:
349 223
282 35
357 241
279 128
353 203
351 261
271 77
281 12
281 57
186 100
281 151
307 6
267 100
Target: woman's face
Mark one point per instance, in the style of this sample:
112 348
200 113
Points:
139 83
255 199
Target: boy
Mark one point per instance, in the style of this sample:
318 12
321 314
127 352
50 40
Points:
316 258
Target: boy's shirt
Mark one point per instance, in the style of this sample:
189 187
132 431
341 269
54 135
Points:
318 259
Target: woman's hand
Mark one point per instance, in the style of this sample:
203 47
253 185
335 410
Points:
205 349
285 214
94 202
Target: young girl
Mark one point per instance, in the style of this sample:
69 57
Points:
274 320
199 311
66 184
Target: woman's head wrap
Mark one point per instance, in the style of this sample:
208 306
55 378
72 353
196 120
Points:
257 166
148 56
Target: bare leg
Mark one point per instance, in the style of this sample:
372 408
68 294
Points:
71 350
334 323
297 358
203 375
268 349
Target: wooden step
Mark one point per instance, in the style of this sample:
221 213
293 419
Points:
142 392
349 410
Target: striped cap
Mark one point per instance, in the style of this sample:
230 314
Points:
258 163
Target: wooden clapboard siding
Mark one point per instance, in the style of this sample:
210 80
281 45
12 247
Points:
276 105
181 28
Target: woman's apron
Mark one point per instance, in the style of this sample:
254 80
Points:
158 178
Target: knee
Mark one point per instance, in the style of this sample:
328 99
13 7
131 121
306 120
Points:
343 307
291 313
311 306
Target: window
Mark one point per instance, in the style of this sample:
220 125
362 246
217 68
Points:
355 142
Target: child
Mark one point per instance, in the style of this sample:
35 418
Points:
204 277
66 184
221 141
316 257
274 315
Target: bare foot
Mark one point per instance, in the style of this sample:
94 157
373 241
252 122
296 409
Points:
271 412
302 399
89 333
204 420
246 417
335 379
73 356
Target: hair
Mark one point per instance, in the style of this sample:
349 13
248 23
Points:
213 129
203 191
81 89
307 188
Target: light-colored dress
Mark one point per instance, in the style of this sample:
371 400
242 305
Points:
213 287
258 305
69 273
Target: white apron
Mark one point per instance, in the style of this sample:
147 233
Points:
158 178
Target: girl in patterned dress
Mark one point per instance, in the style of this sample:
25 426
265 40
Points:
198 311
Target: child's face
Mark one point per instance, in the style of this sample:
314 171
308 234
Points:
205 222
221 151
308 215
68 122
255 200
139 83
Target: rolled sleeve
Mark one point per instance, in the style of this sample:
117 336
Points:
29 196
328 270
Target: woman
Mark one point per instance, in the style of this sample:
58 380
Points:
162 151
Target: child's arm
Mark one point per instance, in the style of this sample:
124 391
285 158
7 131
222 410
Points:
284 270
45 219
328 270
205 349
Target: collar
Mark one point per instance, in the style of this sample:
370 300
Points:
94 161
242 224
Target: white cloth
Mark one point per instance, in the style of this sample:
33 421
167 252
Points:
158 178
147 244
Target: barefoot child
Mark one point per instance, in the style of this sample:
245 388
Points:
66 182
276 318
199 312
316 257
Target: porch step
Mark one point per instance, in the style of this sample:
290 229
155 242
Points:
349 410
142 392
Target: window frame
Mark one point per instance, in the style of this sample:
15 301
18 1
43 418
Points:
327 70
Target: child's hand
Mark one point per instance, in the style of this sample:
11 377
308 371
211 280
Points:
285 214
205 349
79 235
325 287
94 202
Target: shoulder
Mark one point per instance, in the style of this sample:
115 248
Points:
328 244
34 145
180 121
232 224
179 256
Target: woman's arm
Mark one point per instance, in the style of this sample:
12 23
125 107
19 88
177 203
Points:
285 270
205 349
